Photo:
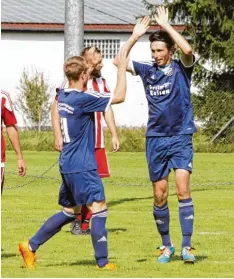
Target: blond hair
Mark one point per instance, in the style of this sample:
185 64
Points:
74 66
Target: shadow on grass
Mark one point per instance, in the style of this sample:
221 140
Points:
113 203
178 258
141 260
116 230
82 262
8 255
120 201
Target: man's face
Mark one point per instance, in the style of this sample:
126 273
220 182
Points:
98 65
160 53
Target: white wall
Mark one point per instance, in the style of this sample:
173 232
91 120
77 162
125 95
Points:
44 52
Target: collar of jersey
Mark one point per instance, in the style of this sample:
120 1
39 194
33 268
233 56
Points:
164 67
67 90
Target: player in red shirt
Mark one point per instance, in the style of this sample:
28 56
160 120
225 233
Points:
8 118
98 84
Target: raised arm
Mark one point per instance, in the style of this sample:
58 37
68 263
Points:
13 135
120 89
162 19
110 122
55 118
139 30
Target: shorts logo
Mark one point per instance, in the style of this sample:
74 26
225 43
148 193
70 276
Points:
190 165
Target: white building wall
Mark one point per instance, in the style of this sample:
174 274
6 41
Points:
44 52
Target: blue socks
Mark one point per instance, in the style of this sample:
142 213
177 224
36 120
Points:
99 237
162 218
50 228
186 212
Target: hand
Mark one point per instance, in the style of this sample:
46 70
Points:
122 59
115 144
58 142
141 27
161 16
21 167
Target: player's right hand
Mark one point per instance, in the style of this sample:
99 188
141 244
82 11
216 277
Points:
141 27
21 167
58 142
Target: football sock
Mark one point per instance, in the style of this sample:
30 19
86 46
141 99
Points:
79 217
186 212
99 237
50 228
86 216
162 218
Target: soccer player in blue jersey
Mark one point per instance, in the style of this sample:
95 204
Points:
170 126
78 167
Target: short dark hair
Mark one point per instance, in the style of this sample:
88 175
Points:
162 36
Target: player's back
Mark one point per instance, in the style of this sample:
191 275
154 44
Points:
77 126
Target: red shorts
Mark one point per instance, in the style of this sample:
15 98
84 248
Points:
101 158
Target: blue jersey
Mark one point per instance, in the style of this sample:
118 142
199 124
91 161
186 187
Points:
76 110
168 96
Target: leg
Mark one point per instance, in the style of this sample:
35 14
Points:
99 234
52 226
80 226
162 218
2 178
161 211
85 219
186 212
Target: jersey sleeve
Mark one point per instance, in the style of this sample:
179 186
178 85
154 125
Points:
95 101
188 69
138 68
8 115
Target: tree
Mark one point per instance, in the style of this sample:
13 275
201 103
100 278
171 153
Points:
34 99
210 26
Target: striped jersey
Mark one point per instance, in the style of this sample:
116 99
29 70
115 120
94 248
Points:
97 85
8 118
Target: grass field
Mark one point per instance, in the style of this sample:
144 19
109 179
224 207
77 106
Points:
132 233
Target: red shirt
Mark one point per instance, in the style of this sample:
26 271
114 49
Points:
8 117
97 85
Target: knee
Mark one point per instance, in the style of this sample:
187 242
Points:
72 210
96 207
183 193
160 198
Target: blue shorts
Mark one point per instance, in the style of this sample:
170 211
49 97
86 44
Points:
81 188
164 153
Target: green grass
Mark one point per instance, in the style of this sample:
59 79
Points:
132 234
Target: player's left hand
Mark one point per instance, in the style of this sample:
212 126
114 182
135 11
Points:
115 144
161 16
21 167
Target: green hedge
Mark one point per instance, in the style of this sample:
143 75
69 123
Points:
131 140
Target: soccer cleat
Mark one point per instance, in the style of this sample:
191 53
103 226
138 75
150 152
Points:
29 257
187 255
165 253
77 230
108 266
76 227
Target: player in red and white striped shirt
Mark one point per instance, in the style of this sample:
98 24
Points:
8 118
98 84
